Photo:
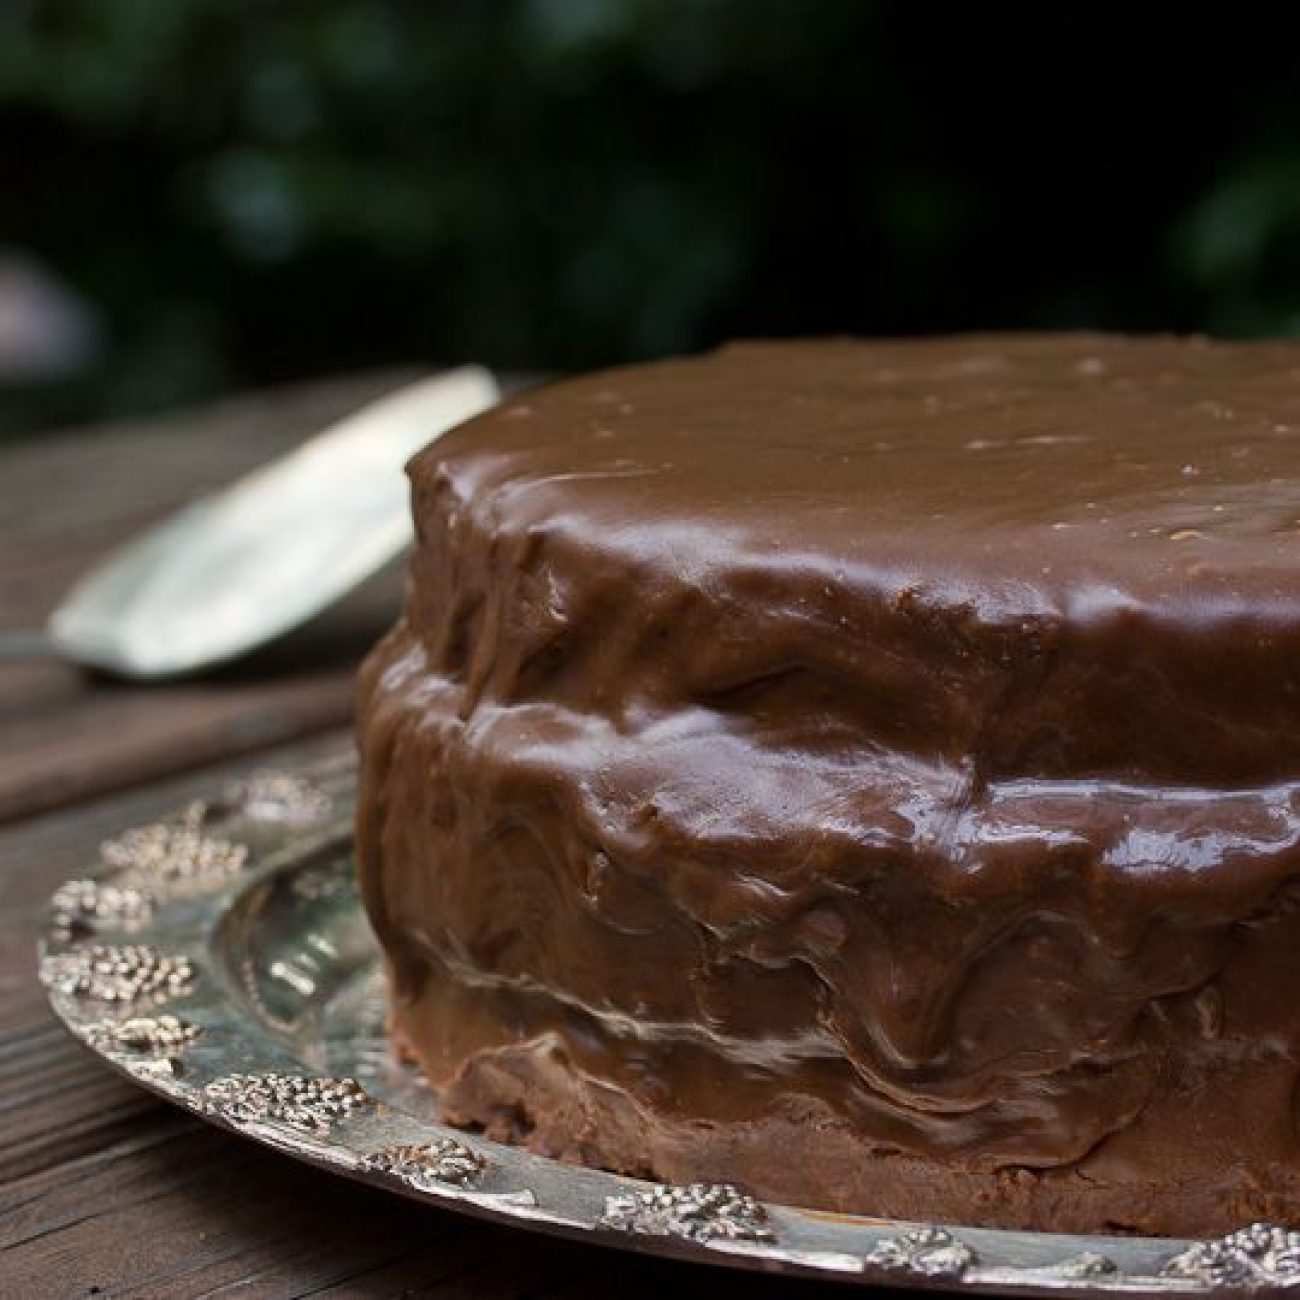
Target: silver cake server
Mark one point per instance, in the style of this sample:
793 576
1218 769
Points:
238 568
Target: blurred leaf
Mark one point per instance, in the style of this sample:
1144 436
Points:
249 192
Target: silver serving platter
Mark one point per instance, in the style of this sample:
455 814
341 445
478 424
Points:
222 960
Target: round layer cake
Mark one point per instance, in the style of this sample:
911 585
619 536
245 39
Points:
865 772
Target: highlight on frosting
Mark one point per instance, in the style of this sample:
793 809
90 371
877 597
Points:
868 773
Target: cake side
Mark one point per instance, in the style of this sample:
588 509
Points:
1052 556
977 897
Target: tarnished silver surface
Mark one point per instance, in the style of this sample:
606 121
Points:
247 989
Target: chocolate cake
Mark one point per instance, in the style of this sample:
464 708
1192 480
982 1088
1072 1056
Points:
865 772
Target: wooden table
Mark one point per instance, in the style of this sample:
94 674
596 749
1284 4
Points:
105 1191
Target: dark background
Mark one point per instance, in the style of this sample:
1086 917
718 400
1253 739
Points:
200 195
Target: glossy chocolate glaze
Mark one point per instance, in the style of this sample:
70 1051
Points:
866 771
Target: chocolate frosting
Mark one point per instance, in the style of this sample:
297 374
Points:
866 771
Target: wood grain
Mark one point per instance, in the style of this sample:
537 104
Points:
64 501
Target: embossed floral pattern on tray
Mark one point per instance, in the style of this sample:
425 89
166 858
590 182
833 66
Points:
142 1035
131 973
927 1251
444 1160
306 1102
1262 1254
272 796
90 904
698 1211
173 854
153 883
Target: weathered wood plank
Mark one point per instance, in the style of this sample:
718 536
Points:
68 734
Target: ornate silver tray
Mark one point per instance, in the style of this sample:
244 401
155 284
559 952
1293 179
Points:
222 960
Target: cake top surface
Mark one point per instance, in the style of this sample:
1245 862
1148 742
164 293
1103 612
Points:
1020 472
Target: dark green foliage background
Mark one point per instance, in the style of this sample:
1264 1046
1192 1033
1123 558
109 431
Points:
253 192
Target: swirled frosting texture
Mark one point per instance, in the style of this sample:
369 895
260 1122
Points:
866 771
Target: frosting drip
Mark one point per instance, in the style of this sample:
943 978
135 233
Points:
891 750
